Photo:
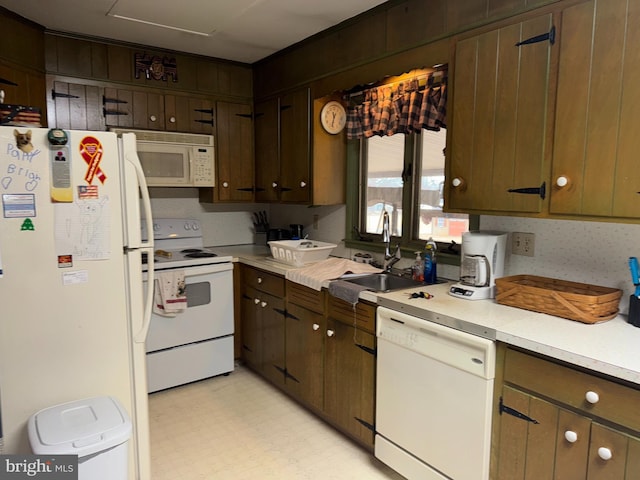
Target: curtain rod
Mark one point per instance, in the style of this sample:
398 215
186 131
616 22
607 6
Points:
422 78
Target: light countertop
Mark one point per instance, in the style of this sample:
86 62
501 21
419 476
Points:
611 347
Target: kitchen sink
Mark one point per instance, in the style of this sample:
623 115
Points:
383 282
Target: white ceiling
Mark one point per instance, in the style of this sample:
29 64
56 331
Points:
240 30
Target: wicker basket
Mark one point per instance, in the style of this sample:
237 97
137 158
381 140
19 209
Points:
575 301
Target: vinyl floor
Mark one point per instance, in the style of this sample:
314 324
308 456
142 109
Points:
238 427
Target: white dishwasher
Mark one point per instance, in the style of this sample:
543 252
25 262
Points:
434 392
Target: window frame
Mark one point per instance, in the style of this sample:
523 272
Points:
356 182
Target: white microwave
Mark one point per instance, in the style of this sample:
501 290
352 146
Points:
172 159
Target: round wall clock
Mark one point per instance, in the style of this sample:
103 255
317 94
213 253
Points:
333 117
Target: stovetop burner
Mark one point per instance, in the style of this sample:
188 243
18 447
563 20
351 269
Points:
191 250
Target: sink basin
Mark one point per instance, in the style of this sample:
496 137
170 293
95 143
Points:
384 282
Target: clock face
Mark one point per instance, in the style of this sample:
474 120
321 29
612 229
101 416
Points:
333 117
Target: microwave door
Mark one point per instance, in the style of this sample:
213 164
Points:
165 165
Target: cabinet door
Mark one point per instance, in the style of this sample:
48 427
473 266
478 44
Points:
499 118
294 147
304 346
190 115
118 107
148 111
201 115
234 152
267 157
273 338
596 135
526 449
609 454
76 107
251 328
29 89
572 445
349 380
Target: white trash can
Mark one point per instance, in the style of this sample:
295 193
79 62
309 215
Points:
96 429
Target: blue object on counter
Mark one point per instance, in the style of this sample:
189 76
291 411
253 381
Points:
430 262
633 266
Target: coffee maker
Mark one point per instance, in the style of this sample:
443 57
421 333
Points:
481 262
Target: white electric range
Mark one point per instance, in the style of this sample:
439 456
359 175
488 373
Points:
196 343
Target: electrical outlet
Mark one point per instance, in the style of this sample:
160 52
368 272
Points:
316 217
523 243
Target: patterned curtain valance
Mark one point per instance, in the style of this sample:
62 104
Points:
403 107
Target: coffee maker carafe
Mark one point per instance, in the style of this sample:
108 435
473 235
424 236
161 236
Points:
481 262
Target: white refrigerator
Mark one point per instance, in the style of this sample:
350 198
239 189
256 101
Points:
73 318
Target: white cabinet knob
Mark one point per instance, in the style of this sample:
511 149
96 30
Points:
172 119
570 436
153 118
263 304
274 185
456 182
259 279
562 181
592 397
256 301
225 184
316 326
303 184
330 333
604 453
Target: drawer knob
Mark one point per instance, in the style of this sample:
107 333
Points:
562 181
172 119
274 185
592 397
153 118
303 184
604 453
259 279
225 184
316 326
330 333
570 436
263 304
256 301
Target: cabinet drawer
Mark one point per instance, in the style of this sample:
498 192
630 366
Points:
264 281
616 403
364 315
306 297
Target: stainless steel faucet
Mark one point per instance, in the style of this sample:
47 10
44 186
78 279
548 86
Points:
389 259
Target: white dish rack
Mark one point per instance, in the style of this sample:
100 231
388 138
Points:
300 252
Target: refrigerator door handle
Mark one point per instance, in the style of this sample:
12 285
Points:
141 336
132 158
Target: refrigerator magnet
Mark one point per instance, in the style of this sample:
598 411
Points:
91 151
60 166
86 192
27 225
18 205
65 261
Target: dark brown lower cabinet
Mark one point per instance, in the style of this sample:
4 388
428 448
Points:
549 429
320 350
349 380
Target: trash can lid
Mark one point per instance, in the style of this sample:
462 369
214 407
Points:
82 427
